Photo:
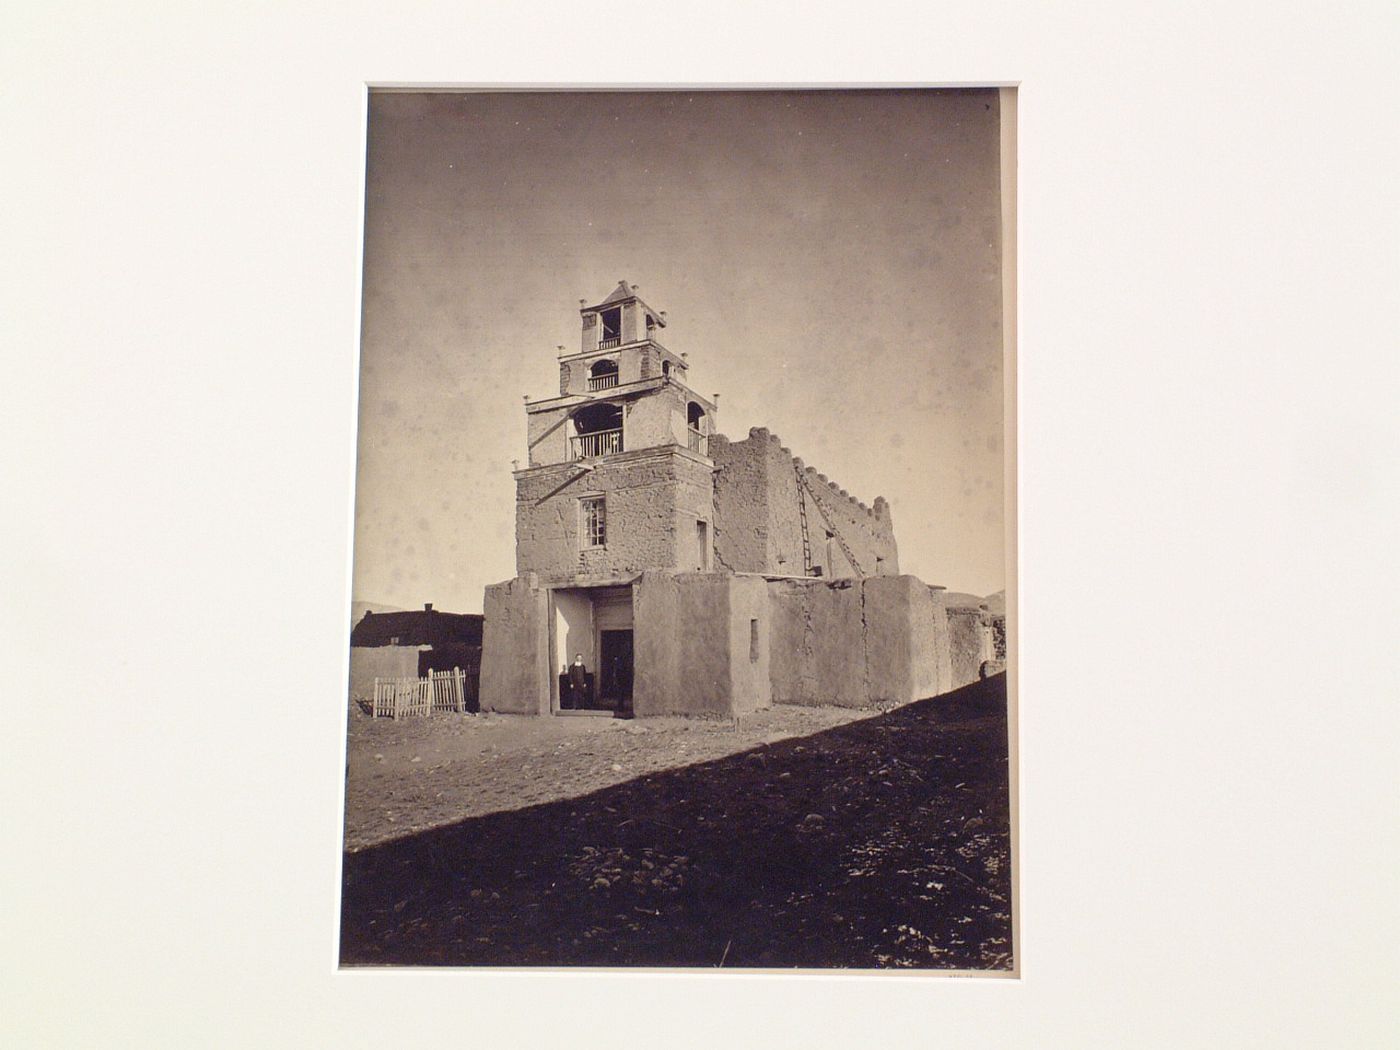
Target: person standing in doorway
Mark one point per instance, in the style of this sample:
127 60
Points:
578 683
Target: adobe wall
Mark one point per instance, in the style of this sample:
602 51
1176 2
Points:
900 662
868 531
942 639
651 420
741 506
514 650
856 643
547 435
750 631
649 494
965 644
680 645
758 514
836 644
792 671
380 661
691 645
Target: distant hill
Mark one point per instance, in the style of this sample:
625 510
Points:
995 603
359 608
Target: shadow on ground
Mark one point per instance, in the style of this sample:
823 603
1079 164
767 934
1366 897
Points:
881 843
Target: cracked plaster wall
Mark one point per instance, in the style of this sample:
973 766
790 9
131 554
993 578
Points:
856 643
758 514
653 499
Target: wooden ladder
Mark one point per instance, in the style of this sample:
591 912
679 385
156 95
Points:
802 517
806 543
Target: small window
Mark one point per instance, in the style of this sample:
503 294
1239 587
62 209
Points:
753 640
595 521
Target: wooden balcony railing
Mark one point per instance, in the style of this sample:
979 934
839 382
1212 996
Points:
599 443
696 441
602 382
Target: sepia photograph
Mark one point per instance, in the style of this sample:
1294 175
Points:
680 622
693 525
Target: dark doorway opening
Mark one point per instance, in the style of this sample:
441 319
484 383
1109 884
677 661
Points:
615 670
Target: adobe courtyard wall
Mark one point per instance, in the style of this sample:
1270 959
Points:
514 648
380 661
965 643
758 514
691 642
857 643
750 634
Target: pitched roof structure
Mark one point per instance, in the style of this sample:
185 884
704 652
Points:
621 292
625 292
424 627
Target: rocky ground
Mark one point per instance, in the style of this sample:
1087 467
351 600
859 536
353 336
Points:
801 837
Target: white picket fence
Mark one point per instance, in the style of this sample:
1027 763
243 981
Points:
420 697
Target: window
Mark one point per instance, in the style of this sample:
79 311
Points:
595 521
602 375
599 431
753 640
612 327
695 428
702 542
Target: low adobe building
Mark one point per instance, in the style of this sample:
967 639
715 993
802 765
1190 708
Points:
411 644
695 575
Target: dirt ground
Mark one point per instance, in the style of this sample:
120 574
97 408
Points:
421 773
801 837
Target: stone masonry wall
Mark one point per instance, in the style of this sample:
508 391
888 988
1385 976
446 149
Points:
648 493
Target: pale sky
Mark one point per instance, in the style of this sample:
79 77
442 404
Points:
830 261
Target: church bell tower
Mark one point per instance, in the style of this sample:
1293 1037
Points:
619 478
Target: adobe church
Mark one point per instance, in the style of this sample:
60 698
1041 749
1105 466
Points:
696 575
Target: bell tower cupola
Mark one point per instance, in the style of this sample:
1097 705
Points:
619 320
623 391
619 343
